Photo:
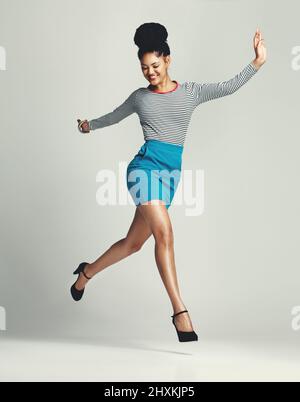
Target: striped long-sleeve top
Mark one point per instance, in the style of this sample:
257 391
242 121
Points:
165 116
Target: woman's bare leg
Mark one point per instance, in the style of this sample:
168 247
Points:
157 217
138 233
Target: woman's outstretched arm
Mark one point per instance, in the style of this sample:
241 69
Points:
118 114
204 92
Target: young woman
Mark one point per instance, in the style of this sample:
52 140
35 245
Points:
164 108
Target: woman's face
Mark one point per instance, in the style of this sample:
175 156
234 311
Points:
155 68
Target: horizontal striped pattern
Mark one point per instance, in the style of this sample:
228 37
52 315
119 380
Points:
166 116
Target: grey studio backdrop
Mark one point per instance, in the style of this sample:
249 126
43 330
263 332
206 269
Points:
237 261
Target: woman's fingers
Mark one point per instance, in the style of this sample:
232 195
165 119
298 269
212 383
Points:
258 40
257 37
80 124
259 46
83 126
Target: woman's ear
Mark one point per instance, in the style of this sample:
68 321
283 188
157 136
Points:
168 60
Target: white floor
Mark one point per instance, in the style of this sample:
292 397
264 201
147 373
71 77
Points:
115 359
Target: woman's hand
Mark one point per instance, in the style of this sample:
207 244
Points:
83 126
260 49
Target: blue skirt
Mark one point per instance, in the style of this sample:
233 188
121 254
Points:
154 172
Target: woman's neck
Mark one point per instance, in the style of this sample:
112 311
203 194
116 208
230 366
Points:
166 86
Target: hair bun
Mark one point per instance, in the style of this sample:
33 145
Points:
150 34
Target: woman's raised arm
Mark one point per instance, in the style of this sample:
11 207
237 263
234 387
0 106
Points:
204 92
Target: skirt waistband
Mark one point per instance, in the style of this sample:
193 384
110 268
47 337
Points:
165 145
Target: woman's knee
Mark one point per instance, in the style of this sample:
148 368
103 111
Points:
164 236
133 246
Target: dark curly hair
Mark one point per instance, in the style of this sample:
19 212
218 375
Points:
151 37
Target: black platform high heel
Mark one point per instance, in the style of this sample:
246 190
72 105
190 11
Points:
77 294
184 336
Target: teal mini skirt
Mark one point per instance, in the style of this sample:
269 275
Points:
154 172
